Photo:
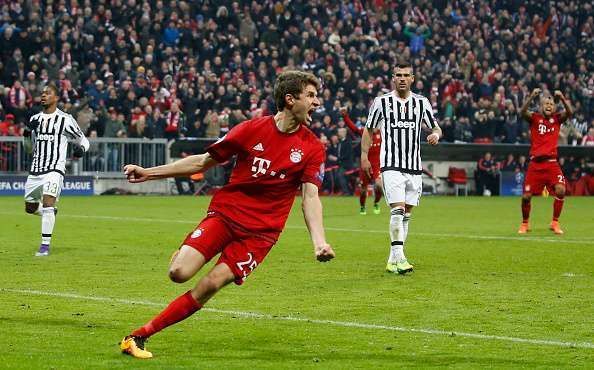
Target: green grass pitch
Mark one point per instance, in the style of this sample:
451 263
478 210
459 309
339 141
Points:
481 296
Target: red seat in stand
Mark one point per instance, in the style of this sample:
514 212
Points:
457 178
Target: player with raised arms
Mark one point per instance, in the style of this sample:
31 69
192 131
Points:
276 155
543 169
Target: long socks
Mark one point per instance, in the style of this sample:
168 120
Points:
48 220
396 235
180 309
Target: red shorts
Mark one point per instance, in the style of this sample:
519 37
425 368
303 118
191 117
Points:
541 174
240 249
365 180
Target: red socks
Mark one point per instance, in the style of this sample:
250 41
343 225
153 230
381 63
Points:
525 210
557 207
181 308
363 197
378 195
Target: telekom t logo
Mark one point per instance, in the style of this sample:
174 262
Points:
542 129
260 166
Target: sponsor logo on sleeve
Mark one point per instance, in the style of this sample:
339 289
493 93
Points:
197 233
321 173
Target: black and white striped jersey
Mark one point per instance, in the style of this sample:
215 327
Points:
50 134
399 121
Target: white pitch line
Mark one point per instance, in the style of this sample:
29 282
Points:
347 324
439 235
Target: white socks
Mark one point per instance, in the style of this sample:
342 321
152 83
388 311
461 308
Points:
396 235
405 221
48 219
38 210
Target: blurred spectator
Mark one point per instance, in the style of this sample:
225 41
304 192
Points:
213 125
484 126
522 165
588 140
8 150
98 94
509 164
417 36
6 125
487 176
577 128
114 127
175 122
510 124
95 154
19 101
344 150
331 165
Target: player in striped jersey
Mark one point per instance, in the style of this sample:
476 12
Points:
399 116
51 130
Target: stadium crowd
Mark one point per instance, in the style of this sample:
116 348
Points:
130 68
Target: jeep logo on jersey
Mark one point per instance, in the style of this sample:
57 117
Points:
403 124
45 137
260 166
296 155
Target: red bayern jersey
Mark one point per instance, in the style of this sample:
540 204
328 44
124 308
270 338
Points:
374 149
544 135
270 167
376 140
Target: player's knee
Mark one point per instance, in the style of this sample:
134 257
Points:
560 191
177 274
30 208
526 197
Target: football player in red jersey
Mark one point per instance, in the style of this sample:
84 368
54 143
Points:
364 179
543 170
275 156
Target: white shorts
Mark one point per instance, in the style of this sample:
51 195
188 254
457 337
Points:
37 186
400 187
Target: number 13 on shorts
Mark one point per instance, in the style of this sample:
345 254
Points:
50 188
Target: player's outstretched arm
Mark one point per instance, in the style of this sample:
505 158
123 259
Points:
524 112
312 211
349 122
365 145
184 167
566 104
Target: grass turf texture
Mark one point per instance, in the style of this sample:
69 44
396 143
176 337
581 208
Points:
473 274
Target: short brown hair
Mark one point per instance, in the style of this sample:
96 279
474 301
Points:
292 82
